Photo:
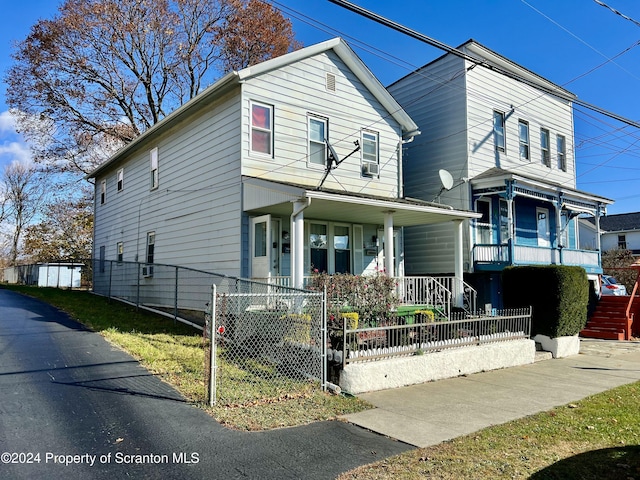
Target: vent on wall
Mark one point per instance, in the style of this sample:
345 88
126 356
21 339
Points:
331 82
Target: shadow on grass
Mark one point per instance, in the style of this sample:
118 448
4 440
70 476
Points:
606 464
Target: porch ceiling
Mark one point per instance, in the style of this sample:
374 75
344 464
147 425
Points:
261 197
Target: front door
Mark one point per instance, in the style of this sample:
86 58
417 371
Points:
265 251
544 234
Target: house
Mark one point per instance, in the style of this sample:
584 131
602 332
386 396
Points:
501 140
290 165
621 231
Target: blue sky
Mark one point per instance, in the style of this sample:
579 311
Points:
578 44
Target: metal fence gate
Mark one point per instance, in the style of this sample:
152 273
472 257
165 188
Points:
270 342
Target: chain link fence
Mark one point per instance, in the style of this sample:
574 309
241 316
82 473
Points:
269 343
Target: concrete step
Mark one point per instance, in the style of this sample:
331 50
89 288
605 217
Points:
540 356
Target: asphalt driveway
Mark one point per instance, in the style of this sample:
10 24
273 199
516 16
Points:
73 406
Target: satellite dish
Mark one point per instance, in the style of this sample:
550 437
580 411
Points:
333 156
446 179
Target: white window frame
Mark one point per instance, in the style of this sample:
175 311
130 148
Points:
525 144
545 149
369 137
561 145
480 224
120 251
153 168
311 142
499 131
120 180
260 129
150 247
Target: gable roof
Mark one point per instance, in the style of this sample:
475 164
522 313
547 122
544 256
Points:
620 222
232 79
477 53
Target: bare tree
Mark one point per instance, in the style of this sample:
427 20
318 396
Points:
103 71
23 190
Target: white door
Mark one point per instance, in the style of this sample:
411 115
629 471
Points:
544 235
265 247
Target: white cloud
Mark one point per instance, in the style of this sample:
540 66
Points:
14 152
7 122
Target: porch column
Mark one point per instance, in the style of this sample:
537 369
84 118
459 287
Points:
598 246
458 259
388 243
297 242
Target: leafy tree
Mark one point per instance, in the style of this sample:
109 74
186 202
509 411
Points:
101 72
65 233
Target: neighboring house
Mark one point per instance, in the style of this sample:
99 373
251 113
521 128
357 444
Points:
236 180
505 137
621 231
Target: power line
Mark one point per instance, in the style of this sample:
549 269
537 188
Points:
602 4
435 43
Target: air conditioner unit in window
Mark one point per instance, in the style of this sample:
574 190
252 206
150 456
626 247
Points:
147 271
370 168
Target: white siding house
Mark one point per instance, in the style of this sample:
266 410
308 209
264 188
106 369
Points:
505 137
290 165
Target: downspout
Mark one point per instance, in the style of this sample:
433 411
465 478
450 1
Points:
297 241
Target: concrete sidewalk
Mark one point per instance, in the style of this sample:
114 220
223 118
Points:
430 413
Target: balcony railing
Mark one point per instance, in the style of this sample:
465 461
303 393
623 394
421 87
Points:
485 254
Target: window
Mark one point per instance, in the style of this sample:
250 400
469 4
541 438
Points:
318 140
504 222
261 129
260 240
622 242
120 251
103 192
318 247
564 229
369 153
120 179
341 248
153 166
103 256
498 131
151 246
483 224
544 147
544 234
523 133
562 153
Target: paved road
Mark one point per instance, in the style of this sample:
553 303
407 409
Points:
75 407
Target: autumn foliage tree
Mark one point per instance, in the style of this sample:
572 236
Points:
101 72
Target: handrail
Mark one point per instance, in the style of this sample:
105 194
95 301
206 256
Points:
629 315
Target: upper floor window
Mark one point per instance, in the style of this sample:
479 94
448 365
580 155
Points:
120 251
120 179
523 133
498 131
561 145
622 242
103 192
544 147
261 128
153 166
370 165
318 128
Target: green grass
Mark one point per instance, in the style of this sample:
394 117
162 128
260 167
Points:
177 354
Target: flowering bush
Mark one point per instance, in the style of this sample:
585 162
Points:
373 297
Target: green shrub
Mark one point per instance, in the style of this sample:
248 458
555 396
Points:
558 294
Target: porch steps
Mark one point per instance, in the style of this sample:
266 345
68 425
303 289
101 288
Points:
609 321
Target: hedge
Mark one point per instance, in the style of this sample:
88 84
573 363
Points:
558 295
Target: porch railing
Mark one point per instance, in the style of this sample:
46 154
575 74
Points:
437 291
385 341
532 254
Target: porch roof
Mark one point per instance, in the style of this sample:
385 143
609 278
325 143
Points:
267 197
498 178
